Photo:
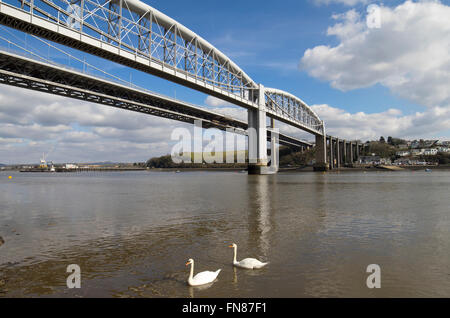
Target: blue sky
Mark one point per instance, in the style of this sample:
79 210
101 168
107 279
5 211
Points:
298 46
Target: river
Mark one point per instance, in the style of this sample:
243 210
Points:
131 233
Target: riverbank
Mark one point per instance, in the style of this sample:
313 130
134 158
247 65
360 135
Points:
234 169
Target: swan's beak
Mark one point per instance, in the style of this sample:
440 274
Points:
188 263
231 246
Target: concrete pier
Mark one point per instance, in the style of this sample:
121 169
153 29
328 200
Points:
321 153
257 139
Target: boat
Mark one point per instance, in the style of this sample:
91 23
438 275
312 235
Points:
428 170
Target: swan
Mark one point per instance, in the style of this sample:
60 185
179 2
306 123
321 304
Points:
201 278
248 263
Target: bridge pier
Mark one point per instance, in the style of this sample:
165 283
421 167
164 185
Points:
338 153
274 152
257 140
321 152
358 148
331 145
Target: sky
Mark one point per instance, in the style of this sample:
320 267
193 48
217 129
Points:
364 81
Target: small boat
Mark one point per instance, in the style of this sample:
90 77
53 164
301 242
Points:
428 170
178 171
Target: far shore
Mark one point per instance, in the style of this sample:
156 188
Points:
244 169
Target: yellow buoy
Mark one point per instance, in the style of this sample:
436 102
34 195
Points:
9 177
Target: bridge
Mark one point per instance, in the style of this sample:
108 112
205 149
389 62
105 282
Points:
132 33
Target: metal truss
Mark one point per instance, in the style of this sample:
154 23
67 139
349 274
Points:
19 71
132 28
287 105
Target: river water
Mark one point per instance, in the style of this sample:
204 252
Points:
131 233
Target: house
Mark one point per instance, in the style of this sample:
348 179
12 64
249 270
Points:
374 160
443 149
417 152
430 143
430 152
369 159
415 144
403 153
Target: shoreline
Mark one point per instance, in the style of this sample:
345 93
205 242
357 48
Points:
238 169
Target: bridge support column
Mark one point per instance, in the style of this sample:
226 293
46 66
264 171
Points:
357 151
338 153
331 153
321 152
274 153
344 152
352 150
257 137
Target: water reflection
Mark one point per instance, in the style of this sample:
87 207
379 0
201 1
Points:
262 192
131 234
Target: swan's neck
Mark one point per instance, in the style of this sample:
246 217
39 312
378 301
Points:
235 255
191 274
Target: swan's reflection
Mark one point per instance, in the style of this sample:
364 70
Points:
192 289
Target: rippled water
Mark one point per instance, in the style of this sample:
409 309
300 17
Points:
132 232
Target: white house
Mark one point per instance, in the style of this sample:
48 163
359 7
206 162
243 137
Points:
417 152
402 153
430 152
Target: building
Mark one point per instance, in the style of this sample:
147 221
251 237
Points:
430 143
369 160
374 160
403 153
443 149
417 152
430 152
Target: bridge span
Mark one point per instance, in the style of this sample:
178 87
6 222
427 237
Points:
137 35
20 71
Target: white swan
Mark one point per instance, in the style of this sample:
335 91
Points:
201 278
248 263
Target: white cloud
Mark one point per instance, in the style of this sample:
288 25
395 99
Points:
427 124
216 102
409 54
69 130
344 2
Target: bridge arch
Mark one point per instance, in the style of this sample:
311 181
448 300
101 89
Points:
288 105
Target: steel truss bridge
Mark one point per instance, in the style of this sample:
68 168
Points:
132 33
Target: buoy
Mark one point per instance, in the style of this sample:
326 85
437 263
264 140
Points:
10 177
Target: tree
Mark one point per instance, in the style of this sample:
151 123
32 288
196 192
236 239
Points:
382 140
389 140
